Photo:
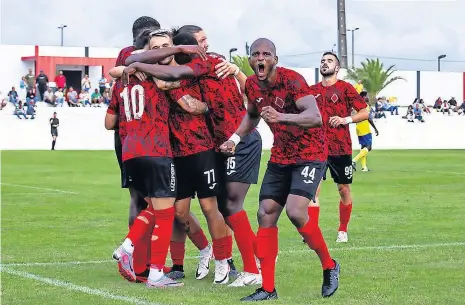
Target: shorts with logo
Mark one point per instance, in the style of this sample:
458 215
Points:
341 169
152 177
197 174
300 179
119 156
54 132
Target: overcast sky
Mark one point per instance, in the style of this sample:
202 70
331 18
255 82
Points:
417 29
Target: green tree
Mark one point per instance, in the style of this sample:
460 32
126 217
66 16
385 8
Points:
243 63
373 76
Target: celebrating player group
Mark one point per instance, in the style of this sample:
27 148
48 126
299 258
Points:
182 131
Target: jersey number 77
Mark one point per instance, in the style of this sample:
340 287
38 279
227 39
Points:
136 102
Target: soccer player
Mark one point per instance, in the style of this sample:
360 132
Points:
226 109
298 160
54 123
364 138
336 99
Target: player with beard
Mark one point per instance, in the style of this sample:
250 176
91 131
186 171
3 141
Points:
298 161
137 203
336 100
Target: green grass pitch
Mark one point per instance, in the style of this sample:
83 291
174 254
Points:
407 235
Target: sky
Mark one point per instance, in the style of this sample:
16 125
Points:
409 34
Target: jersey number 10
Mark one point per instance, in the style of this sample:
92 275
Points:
137 102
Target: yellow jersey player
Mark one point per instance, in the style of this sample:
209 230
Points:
364 138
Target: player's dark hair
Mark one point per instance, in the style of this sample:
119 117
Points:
273 46
143 23
192 29
333 54
184 38
144 37
363 94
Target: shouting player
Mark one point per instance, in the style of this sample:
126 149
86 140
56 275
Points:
226 110
336 99
365 138
298 160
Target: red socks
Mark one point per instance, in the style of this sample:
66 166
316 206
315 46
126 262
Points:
267 251
245 240
220 246
161 237
314 214
199 239
228 248
312 234
143 222
177 249
344 216
140 233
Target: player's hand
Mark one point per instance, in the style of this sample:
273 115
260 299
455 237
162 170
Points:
196 50
128 71
270 115
228 147
336 121
225 69
376 132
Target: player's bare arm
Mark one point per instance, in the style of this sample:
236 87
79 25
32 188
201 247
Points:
225 69
192 105
373 125
156 55
309 117
166 85
116 72
110 121
362 115
249 123
167 73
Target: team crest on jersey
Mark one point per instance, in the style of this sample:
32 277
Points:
334 98
279 102
259 100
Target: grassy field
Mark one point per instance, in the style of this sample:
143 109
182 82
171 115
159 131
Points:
63 214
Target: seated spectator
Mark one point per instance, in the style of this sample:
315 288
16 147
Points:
31 104
59 97
19 110
379 113
445 108
2 101
437 104
72 98
418 113
49 97
424 107
461 109
13 96
84 98
387 106
30 96
410 116
106 96
96 98
453 104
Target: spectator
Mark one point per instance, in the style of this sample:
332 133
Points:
23 87
2 101
30 96
85 83
30 80
84 98
49 97
410 116
102 83
19 110
379 113
72 98
59 97
13 95
418 113
358 87
453 104
42 82
60 81
460 110
424 107
445 108
96 98
30 108
106 96
388 107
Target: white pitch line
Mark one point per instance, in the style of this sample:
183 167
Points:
39 188
284 252
74 287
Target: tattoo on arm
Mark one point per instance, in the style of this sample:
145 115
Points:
192 105
167 85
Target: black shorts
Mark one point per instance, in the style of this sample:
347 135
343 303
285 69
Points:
152 177
297 179
125 179
197 174
244 165
341 169
54 132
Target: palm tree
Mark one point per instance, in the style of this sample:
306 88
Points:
373 76
243 63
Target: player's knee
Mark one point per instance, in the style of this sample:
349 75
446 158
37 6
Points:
344 190
297 216
181 215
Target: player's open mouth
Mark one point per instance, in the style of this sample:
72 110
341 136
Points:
261 69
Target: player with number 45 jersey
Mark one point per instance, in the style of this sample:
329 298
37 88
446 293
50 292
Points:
147 158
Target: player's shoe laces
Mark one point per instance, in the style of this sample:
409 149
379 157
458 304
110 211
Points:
354 166
246 279
261 295
125 266
163 282
330 281
221 272
232 269
342 237
203 267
